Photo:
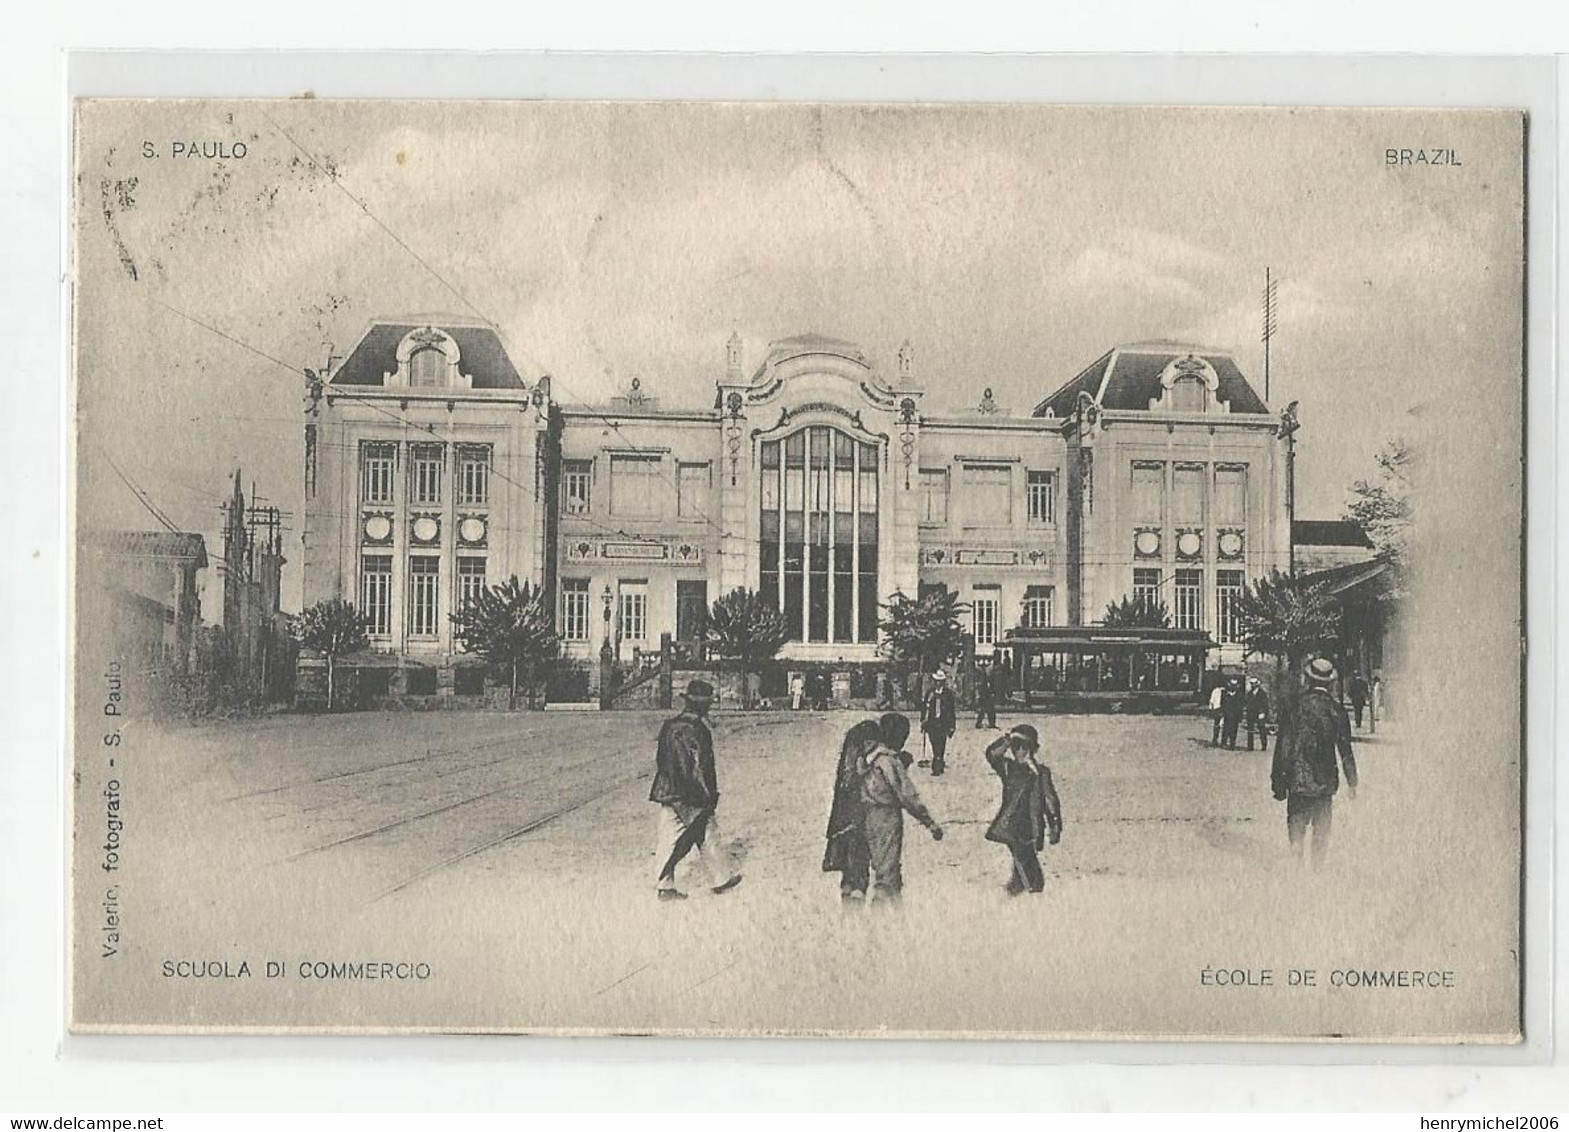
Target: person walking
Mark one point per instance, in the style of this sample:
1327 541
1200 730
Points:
1030 813
1233 705
937 720
1359 697
887 794
1216 700
847 853
797 690
985 698
1258 714
686 790
1304 774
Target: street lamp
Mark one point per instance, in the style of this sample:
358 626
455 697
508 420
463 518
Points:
605 650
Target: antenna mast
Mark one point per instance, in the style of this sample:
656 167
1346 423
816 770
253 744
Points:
1270 309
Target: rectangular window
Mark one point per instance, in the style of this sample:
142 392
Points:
984 608
1189 588
574 609
1042 497
1231 495
691 610
934 496
425 467
1187 495
1149 493
634 611
1229 587
692 491
474 475
424 603
1146 584
577 481
376 593
1038 607
377 466
988 495
471 579
634 485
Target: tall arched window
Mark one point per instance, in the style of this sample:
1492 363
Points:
818 534
427 368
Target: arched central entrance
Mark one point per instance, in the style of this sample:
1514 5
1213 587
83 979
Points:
818 533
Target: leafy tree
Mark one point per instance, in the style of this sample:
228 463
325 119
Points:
1142 612
333 627
511 627
1287 617
1382 505
924 634
747 627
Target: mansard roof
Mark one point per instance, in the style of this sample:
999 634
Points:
1127 378
482 355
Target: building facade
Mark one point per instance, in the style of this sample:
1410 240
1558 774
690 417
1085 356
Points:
814 476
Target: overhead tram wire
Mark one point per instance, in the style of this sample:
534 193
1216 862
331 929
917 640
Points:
332 176
373 403
142 496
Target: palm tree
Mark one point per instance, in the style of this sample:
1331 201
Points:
332 627
1141 612
511 627
747 627
922 635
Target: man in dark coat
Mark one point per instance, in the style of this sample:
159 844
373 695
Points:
687 791
1304 774
1359 697
937 719
1233 705
1030 813
1258 715
985 698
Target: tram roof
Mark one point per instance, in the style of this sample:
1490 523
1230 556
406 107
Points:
1082 635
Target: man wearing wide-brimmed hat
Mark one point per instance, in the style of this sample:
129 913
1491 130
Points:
687 791
1304 773
938 720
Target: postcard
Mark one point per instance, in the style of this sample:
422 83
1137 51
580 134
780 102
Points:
940 570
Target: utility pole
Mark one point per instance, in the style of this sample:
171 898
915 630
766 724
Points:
1270 308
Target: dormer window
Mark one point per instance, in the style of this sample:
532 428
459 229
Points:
1188 395
427 368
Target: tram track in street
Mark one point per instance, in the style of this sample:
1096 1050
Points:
436 811
521 831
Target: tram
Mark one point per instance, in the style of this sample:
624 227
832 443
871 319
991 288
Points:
1090 663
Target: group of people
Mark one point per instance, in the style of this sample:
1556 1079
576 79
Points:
1232 702
872 792
873 789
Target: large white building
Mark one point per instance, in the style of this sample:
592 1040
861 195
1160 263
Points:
816 476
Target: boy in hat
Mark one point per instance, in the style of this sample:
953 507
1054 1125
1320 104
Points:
887 794
687 791
1304 774
1030 813
937 719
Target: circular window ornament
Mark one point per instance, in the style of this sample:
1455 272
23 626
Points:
426 529
378 528
471 529
1231 544
1147 543
1189 544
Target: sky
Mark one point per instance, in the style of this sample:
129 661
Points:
1010 245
